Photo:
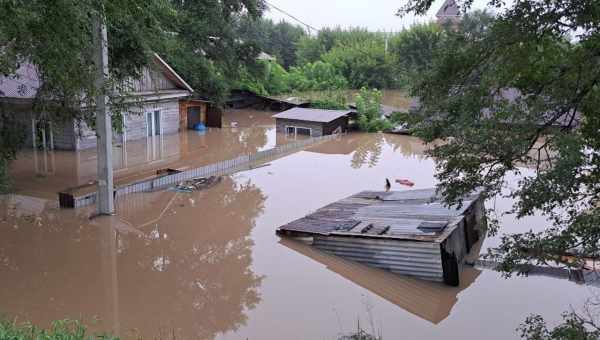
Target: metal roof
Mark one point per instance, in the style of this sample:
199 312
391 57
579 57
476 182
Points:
418 215
312 115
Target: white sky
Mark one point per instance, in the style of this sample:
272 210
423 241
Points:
371 14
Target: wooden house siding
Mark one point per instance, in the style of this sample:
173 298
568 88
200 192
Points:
152 79
318 129
135 123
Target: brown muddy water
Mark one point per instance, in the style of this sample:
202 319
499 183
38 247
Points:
208 265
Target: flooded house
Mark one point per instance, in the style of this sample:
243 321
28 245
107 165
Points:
155 111
410 232
312 122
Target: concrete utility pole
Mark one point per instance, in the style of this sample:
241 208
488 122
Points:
105 199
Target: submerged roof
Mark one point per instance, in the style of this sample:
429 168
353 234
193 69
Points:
312 115
418 215
448 9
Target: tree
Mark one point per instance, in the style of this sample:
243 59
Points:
497 97
363 63
205 46
414 49
368 105
279 40
55 36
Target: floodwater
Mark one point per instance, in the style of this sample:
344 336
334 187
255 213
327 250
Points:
208 265
44 173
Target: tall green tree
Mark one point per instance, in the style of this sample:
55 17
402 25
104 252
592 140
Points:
277 39
522 91
363 63
413 49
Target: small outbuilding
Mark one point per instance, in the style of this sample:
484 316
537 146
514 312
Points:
312 122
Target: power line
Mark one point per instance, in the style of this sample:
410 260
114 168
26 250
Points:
291 16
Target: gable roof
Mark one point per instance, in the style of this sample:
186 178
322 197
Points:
26 81
171 74
312 115
448 9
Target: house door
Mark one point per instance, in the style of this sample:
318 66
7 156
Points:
193 116
153 123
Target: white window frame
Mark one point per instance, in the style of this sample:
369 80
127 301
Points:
296 130
153 122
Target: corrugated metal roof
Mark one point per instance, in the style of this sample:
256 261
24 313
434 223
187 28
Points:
312 115
409 215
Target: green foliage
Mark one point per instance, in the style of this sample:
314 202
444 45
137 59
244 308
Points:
265 78
59 330
509 93
368 105
277 39
413 50
356 54
270 78
573 327
363 63
196 38
330 100
12 135
316 76
204 45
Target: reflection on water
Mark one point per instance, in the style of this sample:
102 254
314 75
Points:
208 264
366 148
169 261
431 301
43 173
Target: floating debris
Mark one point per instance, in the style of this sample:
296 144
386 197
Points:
196 184
405 182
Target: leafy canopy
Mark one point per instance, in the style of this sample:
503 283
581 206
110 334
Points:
522 91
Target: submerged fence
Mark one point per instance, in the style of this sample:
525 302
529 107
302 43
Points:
229 166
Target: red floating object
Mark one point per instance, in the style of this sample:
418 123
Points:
406 182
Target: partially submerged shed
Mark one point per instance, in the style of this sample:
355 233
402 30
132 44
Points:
312 122
408 232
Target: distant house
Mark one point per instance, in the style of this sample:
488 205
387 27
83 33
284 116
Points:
312 122
448 13
156 112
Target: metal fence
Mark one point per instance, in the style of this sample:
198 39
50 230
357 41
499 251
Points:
229 166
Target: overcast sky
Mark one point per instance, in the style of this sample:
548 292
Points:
372 14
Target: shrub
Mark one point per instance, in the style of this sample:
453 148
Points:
59 330
368 105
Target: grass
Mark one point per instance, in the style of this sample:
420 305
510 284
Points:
59 330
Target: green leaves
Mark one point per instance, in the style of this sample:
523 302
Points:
59 330
517 91
368 105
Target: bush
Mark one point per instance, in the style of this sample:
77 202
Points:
330 100
59 330
368 105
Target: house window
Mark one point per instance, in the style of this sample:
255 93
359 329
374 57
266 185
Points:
153 123
303 131
294 131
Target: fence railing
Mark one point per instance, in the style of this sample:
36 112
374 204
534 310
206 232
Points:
243 162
